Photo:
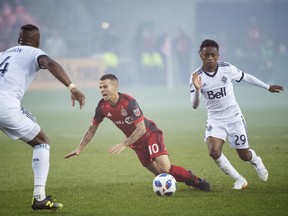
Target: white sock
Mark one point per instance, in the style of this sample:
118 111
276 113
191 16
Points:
224 164
254 159
40 165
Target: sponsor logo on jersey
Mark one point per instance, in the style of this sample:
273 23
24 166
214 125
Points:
212 95
137 112
119 122
129 120
109 114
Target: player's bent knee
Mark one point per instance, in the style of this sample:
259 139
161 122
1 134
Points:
41 138
215 154
164 170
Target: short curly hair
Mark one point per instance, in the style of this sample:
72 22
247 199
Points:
208 43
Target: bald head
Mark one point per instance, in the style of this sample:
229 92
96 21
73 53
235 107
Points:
29 35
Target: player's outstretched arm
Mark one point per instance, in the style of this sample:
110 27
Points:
89 134
77 95
136 135
58 72
73 153
276 88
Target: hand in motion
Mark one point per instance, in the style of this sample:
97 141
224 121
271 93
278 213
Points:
196 81
276 88
78 96
116 149
73 153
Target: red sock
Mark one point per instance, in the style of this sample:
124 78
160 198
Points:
183 175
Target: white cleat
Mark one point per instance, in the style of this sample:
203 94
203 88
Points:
261 170
240 183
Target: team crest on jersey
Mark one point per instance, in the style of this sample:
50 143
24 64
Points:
123 112
224 79
137 112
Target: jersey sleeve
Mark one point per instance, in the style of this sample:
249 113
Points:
248 78
135 111
236 74
38 53
98 117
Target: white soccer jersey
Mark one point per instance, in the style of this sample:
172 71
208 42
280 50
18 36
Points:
217 91
18 67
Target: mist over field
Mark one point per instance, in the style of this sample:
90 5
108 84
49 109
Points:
152 47
152 43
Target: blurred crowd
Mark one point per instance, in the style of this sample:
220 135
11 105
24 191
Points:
150 54
13 13
265 53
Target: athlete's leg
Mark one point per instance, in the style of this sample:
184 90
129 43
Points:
40 164
239 139
21 124
162 164
214 147
244 154
251 156
154 156
215 151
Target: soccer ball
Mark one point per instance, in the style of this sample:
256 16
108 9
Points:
164 184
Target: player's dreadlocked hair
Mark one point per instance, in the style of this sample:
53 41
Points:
208 43
109 76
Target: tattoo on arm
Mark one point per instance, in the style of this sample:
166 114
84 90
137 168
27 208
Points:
87 136
137 134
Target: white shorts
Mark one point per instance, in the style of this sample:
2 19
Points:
17 123
235 129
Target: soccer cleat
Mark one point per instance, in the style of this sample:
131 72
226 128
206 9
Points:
203 185
48 203
240 183
261 170
199 183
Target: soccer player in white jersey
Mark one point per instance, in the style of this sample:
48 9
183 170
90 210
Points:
214 82
18 66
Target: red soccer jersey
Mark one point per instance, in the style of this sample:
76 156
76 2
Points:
125 115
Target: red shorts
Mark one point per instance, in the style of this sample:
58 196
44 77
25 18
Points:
150 147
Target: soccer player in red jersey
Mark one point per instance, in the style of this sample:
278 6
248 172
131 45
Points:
142 135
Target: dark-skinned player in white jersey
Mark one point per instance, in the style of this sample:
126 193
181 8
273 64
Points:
18 67
213 81
142 135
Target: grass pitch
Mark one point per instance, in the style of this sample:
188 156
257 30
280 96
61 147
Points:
97 183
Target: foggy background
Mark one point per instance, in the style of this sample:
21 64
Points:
154 42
